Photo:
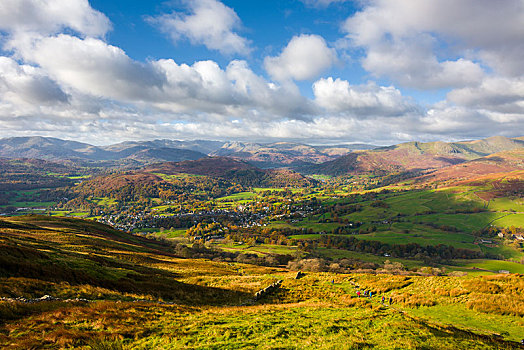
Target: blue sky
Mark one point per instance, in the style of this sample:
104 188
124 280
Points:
268 24
312 71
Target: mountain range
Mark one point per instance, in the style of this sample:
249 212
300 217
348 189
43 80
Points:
328 159
49 148
138 152
285 153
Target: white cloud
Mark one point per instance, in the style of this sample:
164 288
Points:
413 66
305 57
361 101
93 68
402 38
24 84
209 23
235 91
52 16
497 94
453 122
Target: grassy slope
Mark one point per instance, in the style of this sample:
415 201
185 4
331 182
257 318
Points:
53 251
319 311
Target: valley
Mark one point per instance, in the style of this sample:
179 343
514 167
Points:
171 254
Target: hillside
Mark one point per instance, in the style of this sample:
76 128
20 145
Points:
202 179
165 154
201 146
211 166
500 164
73 258
49 148
493 144
27 174
233 170
414 156
69 283
328 159
138 188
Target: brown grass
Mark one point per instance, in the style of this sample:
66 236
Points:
498 304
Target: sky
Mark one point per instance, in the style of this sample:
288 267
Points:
310 71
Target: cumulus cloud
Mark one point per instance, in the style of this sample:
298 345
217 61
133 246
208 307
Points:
51 16
209 23
362 101
91 66
94 68
235 91
415 67
452 122
401 39
305 57
26 84
496 94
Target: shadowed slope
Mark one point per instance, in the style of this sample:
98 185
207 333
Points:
39 254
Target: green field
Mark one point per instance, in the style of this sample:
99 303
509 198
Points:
420 235
516 220
258 249
458 314
506 204
262 189
241 196
306 224
492 265
464 222
175 233
30 204
428 217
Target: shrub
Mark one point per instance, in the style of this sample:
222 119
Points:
413 300
483 287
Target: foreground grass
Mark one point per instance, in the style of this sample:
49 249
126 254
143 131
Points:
311 313
210 305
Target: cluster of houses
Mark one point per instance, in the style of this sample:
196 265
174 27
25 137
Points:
515 236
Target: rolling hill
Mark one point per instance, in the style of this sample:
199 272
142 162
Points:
49 148
414 156
201 146
217 175
52 251
503 164
234 170
328 159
